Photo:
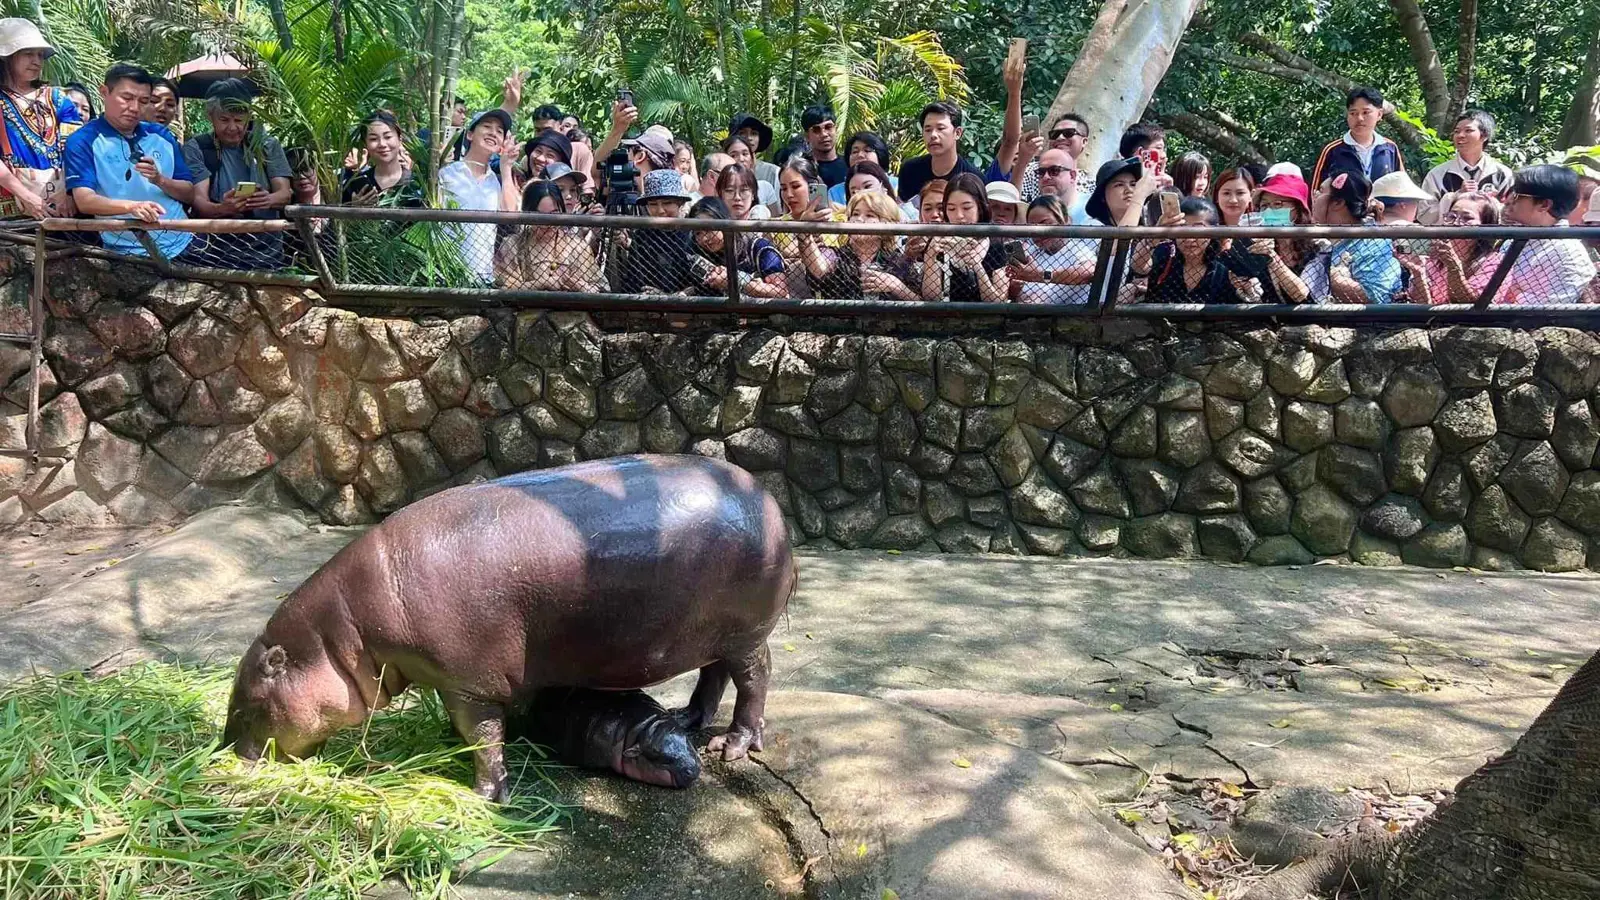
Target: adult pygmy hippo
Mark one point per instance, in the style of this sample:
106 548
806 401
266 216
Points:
627 732
613 574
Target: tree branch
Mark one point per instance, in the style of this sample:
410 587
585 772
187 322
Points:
1425 56
1201 127
1300 69
1580 127
1466 57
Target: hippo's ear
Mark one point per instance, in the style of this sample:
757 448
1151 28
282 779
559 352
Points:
274 661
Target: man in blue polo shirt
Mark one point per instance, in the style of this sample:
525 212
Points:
123 168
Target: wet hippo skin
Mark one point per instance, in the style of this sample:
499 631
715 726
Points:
627 732
614 574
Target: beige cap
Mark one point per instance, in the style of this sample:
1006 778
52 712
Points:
17 35
1399 186
1591 216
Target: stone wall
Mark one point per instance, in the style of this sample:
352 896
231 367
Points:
1442 447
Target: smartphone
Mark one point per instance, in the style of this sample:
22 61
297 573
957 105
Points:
819 195
1169 204
1279 217
625 96
1016 253
1030 124
244 189
1412 246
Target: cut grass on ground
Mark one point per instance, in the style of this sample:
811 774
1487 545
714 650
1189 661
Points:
113 787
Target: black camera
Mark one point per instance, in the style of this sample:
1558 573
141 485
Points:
621 184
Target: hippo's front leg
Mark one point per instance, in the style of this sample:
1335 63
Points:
750 672
482 724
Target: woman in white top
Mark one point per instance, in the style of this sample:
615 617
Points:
1057 270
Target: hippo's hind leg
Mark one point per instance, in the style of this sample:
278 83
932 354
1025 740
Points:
750 672
707 696
483 725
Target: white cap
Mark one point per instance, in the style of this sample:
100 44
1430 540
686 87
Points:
1286 168
661 130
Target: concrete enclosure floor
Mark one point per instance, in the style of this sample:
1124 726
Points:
1040 672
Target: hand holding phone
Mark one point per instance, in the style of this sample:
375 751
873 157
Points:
1170 205
1016 254
244 189
625 96
819 196
1030 125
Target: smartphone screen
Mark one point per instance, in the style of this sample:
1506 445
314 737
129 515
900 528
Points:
625 97
1252 220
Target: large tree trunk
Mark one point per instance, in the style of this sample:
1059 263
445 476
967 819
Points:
1525 825
1118 67
1225 137
1466 58
1430 72
1581 125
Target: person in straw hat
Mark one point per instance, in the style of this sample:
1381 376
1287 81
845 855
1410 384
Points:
37 120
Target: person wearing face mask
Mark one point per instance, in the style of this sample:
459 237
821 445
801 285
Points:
38 119
965 269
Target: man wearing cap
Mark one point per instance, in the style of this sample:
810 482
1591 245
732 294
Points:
471 183
1548 271
1471 169
1401 198
121 167
822 142
240 172
757 135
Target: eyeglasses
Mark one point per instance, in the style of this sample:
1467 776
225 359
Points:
1053 171
1065 134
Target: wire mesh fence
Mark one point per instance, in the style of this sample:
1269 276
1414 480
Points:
1406 271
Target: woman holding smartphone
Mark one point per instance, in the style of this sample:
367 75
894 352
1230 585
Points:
867 264
758 267
964 269
804 198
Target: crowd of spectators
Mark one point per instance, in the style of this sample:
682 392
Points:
113 152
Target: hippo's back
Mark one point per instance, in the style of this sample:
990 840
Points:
610 559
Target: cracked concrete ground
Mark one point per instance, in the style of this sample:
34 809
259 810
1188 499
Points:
1058 680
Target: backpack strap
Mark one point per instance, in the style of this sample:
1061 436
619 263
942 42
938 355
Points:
213 160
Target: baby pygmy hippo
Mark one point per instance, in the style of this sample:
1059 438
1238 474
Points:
627 732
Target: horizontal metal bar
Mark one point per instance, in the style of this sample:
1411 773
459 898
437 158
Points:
769 226
573 300
1351 313
192 226
16 338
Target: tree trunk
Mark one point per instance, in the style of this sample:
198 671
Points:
1430 72
1581 125
280 24
1466 58
1523 825
336 25
1122 59
437 116
452 65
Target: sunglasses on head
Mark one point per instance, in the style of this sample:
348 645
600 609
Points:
1064 134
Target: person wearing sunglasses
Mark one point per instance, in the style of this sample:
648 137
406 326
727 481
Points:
37 119
121 167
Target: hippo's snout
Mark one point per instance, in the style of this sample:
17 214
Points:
665 757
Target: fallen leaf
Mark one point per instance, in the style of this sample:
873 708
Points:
1281 723
1115 707
961 762
1185 840
1231 789
1326 562
1111 690
789 647
888 895
1130 815
809 637
861 850
892 552
1558 665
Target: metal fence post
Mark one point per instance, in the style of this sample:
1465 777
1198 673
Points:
314 250
36 313
730 262
1500 274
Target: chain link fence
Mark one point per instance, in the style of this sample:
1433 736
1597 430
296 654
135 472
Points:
1346 273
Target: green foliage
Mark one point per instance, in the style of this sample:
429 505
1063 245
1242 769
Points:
1436 149
114 787
90 35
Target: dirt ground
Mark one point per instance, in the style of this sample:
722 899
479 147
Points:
38 559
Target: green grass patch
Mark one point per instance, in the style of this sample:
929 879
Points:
113 787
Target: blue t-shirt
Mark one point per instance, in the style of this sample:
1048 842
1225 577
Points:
101 159
1372 265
